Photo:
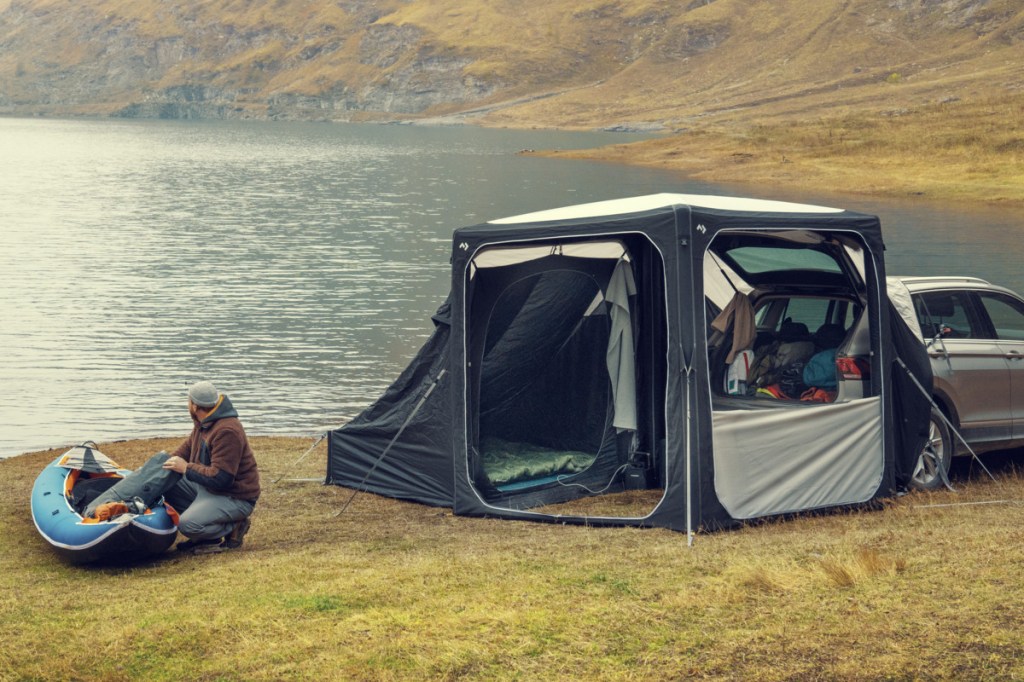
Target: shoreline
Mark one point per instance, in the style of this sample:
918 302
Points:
969 152
958 151
130 441
737 166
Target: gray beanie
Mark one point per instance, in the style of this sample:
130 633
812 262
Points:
203 394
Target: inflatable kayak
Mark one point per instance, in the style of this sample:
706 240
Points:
65 488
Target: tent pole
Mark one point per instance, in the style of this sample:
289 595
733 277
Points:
689 449
722 270
423 399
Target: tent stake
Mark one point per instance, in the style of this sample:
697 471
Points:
359 488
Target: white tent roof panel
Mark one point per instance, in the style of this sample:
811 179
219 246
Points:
654 201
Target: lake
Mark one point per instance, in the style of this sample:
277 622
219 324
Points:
295 265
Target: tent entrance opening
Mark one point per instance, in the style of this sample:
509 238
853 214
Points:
554 399
544 400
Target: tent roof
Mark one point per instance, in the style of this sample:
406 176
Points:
650 202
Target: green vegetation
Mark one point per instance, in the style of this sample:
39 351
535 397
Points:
399 591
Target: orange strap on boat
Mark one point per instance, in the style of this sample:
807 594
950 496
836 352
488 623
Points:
173 513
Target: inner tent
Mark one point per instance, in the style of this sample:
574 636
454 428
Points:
561 405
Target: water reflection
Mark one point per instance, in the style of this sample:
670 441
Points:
297 265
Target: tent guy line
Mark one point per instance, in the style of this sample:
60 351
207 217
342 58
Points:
952 428
965 504
306 454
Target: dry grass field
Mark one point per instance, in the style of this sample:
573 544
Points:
959 151
927 587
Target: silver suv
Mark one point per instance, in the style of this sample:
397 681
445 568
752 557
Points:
974 333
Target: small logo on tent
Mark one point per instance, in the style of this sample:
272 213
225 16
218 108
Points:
464 246
702 229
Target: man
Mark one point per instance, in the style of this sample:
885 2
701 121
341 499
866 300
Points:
220 482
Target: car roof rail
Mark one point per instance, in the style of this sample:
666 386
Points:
915 280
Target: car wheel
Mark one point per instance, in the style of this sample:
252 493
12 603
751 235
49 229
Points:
933 463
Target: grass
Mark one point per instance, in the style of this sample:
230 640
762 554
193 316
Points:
399 591
967 151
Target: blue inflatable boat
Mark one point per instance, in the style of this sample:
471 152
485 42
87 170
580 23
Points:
63 490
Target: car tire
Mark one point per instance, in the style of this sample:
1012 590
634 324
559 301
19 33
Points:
932 467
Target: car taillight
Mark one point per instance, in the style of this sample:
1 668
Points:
853 367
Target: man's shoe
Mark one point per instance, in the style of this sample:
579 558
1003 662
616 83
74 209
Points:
234 538
198 546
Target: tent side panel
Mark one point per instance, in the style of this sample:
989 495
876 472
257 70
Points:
401 445
653 243
786 460
912 387
722 495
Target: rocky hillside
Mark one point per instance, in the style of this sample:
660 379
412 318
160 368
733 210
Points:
581 63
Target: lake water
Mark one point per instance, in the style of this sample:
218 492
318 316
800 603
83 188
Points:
295 265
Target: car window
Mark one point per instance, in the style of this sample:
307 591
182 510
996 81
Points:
938 310
758 259
1007 315
811 312
802 316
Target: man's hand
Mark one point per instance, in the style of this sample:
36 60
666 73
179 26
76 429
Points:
176 464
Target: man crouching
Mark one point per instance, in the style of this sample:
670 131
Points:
220 482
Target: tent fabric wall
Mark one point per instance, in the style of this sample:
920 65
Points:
418 464
517 339
911 371
912 380
765 464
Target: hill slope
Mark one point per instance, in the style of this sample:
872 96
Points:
655 63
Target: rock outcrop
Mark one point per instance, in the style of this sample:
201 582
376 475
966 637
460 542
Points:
554 63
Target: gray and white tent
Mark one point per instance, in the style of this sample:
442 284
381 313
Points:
570 371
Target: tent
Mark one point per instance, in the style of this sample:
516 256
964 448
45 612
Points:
573 374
